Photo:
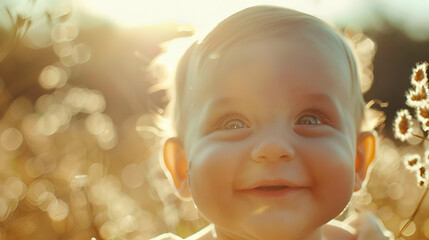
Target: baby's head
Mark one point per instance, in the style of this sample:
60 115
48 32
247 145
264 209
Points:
267 115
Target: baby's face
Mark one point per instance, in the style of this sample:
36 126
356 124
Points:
271 140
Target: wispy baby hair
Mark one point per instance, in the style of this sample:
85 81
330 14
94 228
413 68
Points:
253 24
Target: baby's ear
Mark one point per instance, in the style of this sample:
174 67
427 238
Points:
365 152
175 161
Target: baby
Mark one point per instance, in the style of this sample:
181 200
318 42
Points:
268 138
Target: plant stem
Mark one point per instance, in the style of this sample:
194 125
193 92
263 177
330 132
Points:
421 137
411 218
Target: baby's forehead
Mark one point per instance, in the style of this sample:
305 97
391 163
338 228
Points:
271 62
274 51
279 58
314 32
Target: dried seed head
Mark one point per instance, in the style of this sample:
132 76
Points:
421 175
422 172
421 183
419 75
412 162
422 114
425 125
402 125
417 97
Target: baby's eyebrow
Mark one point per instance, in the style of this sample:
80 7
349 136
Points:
325 102
320 98
212 108
308 98
219 102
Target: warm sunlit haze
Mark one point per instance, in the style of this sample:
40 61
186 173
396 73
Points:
85 84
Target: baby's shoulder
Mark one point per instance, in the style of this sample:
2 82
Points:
335 230
167 236
206 233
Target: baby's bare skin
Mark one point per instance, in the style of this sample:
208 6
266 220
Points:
269 143
364 226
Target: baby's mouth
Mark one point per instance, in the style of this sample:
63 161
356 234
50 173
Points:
270 188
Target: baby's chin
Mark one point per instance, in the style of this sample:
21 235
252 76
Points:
279 234
277 226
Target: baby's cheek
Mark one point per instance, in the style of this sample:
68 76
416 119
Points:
211 176
331 166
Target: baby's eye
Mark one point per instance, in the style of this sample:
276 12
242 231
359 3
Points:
234 124
232 121
308 120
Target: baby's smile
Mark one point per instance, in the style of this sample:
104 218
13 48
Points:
271 188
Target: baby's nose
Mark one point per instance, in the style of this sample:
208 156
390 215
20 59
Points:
272 149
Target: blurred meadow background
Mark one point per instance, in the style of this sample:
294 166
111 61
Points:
82 86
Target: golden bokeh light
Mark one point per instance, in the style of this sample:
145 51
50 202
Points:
78 199
410 230
39 36
58 210
83 95
98 123
52 77
109 229
63 49
11 139
81 53
44 102
107 139
40 191
48 124
47 199
84 100
132 176
128 224
64 32
96 171
395 191
79 182
31 168
4 208
14 188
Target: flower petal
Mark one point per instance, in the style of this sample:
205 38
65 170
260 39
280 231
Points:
402 125
419 76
